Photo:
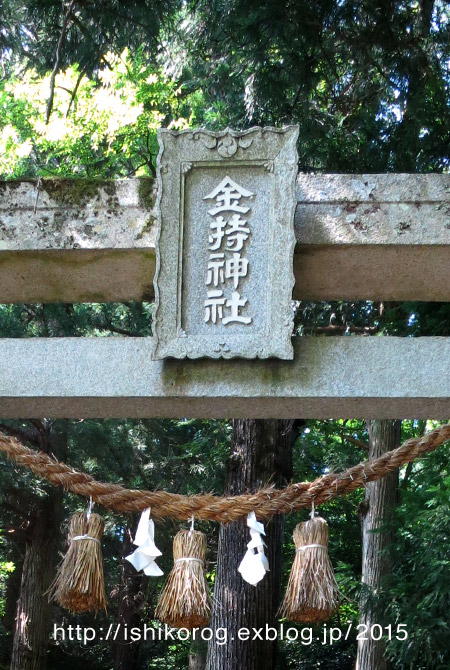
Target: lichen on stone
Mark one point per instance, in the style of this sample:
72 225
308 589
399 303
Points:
146 192
75 192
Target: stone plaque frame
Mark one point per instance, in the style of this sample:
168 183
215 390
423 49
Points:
272 154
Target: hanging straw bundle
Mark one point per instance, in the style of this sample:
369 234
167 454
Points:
312 593
185 601
79 585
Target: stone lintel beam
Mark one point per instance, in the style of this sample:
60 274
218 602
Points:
342 377
377 237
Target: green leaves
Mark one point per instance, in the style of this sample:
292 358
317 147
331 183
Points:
103 126
6 568
418 594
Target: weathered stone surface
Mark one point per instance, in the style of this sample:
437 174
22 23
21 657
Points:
61 214
363 188
366 377
379 237
225 246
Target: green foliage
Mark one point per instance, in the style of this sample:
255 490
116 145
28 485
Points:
321 447
102 126
367 84
418 594
417 319
31 30
6 568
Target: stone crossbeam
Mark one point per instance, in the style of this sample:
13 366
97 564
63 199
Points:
365 377
374 237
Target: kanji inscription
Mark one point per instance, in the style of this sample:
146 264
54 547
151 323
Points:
227 238
224 275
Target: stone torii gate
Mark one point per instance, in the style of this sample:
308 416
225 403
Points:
374 237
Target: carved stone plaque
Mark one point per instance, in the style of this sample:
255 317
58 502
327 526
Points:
224 268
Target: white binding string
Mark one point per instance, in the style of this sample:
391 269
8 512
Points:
308 546
189 559
88 516
86 537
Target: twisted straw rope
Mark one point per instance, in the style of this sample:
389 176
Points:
267 501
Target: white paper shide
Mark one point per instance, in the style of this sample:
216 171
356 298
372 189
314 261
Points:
143 558
254 565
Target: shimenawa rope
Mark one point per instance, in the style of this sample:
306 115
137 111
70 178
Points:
267 501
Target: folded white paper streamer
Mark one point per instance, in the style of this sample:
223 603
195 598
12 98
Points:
254 565
143 558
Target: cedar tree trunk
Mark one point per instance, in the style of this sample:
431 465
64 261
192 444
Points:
197 654
261 451
33 620
131 602
380 498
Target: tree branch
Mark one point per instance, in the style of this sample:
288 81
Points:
357 443
22 434
332 329
115 329
57 60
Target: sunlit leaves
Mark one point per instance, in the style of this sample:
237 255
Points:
100 126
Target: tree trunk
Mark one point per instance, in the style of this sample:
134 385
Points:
197 654
131 602
196 662
12 595
32 632
261 451
380 498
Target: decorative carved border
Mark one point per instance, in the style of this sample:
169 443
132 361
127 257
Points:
271 148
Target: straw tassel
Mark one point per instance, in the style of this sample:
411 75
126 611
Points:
79 585
185 601
312 593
